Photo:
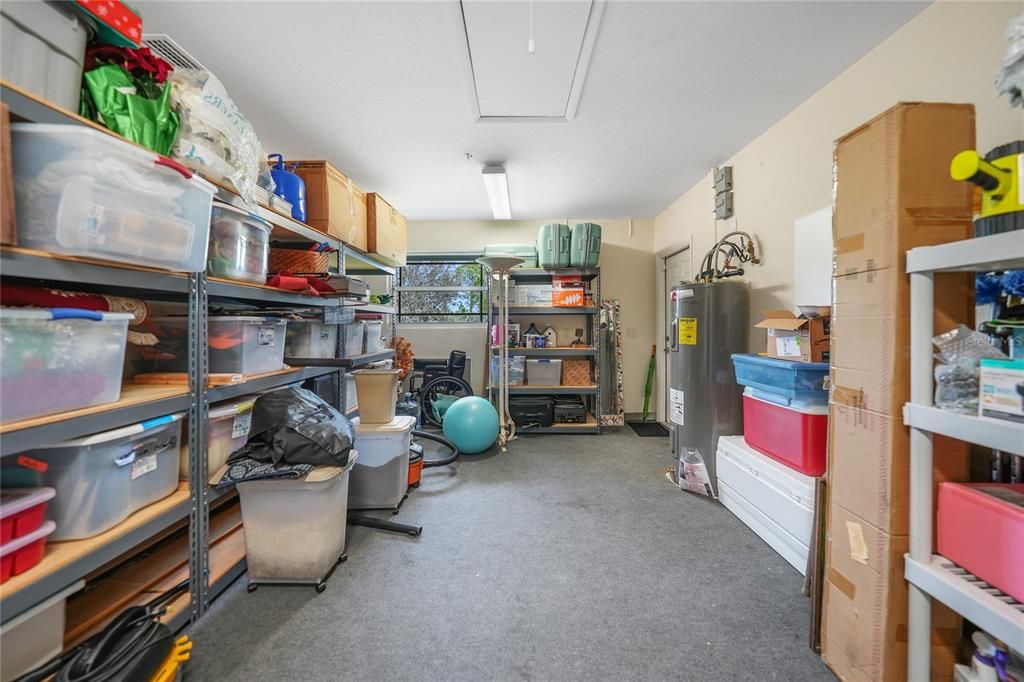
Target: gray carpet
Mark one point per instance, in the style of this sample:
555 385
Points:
570 557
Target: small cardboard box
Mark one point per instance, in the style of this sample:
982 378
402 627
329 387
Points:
796 338
334 204
1002 389
387 233
568 291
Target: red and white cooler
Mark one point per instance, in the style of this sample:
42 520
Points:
795 435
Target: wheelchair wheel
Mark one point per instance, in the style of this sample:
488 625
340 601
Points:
440 386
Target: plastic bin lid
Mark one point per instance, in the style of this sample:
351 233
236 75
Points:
399 424
779 362
16 500
26 540
117 434
62 313
220 318
223 206
801 406
231 408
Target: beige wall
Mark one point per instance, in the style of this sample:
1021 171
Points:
950 52
627 274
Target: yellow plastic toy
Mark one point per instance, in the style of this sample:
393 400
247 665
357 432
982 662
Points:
999 175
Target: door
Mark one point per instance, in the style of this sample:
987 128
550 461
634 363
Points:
675 269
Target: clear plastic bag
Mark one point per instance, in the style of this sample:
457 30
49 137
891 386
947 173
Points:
215 138
957 372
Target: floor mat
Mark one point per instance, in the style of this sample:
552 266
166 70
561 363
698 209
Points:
648 429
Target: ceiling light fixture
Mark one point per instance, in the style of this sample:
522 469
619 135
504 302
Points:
496 184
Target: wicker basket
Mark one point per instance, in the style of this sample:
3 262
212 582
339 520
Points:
297 260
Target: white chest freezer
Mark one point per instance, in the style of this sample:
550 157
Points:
776 502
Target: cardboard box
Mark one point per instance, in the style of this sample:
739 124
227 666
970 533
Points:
869 465
870 340
796 338
1002 389
387 233
334 204
864 629
568 291
892 185
8 233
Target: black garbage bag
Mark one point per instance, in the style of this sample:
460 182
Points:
296 426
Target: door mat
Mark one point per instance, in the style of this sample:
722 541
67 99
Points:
648 429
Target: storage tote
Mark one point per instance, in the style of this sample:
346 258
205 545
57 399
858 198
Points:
32 638
311 339
788 379
295 528
22 511
553 245
353 337
86 193
23 553
237 344
585 247
795 435
374 337
103 479
380 478
54 360
527 252
239 245
227 430
543 372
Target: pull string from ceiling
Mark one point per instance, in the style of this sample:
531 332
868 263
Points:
529 45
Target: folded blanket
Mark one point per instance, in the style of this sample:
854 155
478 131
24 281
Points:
248 469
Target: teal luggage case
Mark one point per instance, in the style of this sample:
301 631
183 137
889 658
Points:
585 246
553 245
528 252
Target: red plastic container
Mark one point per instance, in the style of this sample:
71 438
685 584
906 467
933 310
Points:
22 510
21 554
981 529
797 436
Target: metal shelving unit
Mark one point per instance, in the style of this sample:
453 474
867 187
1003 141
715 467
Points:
592 393
930 575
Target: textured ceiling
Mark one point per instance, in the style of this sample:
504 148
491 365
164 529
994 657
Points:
380 89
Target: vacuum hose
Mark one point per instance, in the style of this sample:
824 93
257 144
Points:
444 461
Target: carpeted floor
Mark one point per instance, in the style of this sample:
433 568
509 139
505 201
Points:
569 558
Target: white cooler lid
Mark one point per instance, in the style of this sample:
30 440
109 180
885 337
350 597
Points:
15 500
397 425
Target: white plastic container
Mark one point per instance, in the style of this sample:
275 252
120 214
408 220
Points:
377 394
381 477
374 337
35 636
311 339
295 529
85 193
226 431
239 244
352 338
43 47
103 479
60 359
544 372
776 502
238 344
351 397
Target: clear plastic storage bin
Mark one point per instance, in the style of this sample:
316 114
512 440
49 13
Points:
226 431
237 344
311 339
103 479
352 337
790 379
295 529
374 337
239 245
85 193
543 372
34 637
58 360
381 477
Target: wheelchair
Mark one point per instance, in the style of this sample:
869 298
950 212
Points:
436 386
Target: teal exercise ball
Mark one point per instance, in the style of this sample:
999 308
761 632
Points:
471 423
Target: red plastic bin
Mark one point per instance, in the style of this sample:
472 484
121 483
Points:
981 529
22 510
797 436
21 554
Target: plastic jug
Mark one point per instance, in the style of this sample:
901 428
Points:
289 187
553 245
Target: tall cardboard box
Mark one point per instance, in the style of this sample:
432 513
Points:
8 233
387 231
334 204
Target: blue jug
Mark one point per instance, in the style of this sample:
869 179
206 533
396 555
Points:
289 187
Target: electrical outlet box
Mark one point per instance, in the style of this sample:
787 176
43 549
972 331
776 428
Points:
723 179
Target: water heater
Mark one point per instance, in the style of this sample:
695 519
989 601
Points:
710 322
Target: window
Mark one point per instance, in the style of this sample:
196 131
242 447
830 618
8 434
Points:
442 290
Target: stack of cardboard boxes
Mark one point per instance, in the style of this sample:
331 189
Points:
892 193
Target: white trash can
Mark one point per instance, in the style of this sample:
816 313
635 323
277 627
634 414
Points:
381 478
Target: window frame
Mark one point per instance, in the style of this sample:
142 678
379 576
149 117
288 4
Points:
482 291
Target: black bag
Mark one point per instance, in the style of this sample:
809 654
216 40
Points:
296 426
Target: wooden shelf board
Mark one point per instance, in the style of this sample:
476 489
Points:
36 253
513 389
589 421
131 394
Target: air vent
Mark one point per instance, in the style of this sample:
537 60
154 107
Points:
164 46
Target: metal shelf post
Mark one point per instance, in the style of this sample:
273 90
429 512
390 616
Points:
199 514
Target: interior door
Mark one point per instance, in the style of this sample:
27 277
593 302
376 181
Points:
676 269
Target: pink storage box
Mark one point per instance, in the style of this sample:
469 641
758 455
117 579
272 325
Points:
796 436
981 529
22 510
21 554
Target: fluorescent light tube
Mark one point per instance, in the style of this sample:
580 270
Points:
496 184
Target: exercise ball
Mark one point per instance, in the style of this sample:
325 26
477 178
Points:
471 423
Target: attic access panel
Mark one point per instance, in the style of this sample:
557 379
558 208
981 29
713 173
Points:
506 82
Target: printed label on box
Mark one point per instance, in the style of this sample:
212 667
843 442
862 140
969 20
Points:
687 331
787 346
143 465
676 414
240 427
266 336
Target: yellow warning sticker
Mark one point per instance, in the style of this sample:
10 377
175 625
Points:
687 331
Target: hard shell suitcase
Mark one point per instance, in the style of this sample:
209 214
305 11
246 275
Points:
585 246
553 245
